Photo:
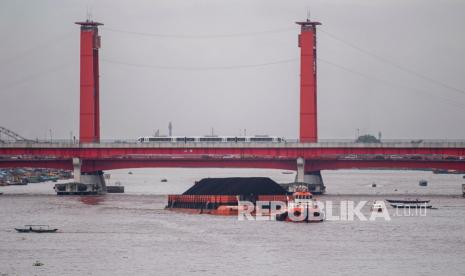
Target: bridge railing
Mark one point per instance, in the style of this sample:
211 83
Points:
286 142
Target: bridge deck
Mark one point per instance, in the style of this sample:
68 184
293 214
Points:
397 144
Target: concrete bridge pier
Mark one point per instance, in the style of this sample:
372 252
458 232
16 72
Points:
77 170
92 183
312 180
95 180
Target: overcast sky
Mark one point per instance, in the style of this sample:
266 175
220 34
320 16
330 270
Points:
366 50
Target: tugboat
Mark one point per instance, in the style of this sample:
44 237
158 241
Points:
302 208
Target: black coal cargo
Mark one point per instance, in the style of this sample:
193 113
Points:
236 186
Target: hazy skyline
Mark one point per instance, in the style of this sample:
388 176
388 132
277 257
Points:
149 80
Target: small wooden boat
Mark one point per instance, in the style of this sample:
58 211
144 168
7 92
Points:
416 201
411 205
36 229
423 183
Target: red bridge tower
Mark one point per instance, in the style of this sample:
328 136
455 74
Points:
89 119
308 99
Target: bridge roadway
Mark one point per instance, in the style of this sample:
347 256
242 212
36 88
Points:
328 155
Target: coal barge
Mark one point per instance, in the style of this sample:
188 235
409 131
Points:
221 196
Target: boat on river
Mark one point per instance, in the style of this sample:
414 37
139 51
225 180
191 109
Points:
407 201
36 229
412 205
302 208
377 207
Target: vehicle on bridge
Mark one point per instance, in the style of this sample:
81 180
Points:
224 139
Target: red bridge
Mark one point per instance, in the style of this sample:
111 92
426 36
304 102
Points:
318 156
308 155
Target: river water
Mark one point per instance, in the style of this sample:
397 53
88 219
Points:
131 233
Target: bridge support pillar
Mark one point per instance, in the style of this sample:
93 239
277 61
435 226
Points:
94 180
299 177
91 183
77 170
312 180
